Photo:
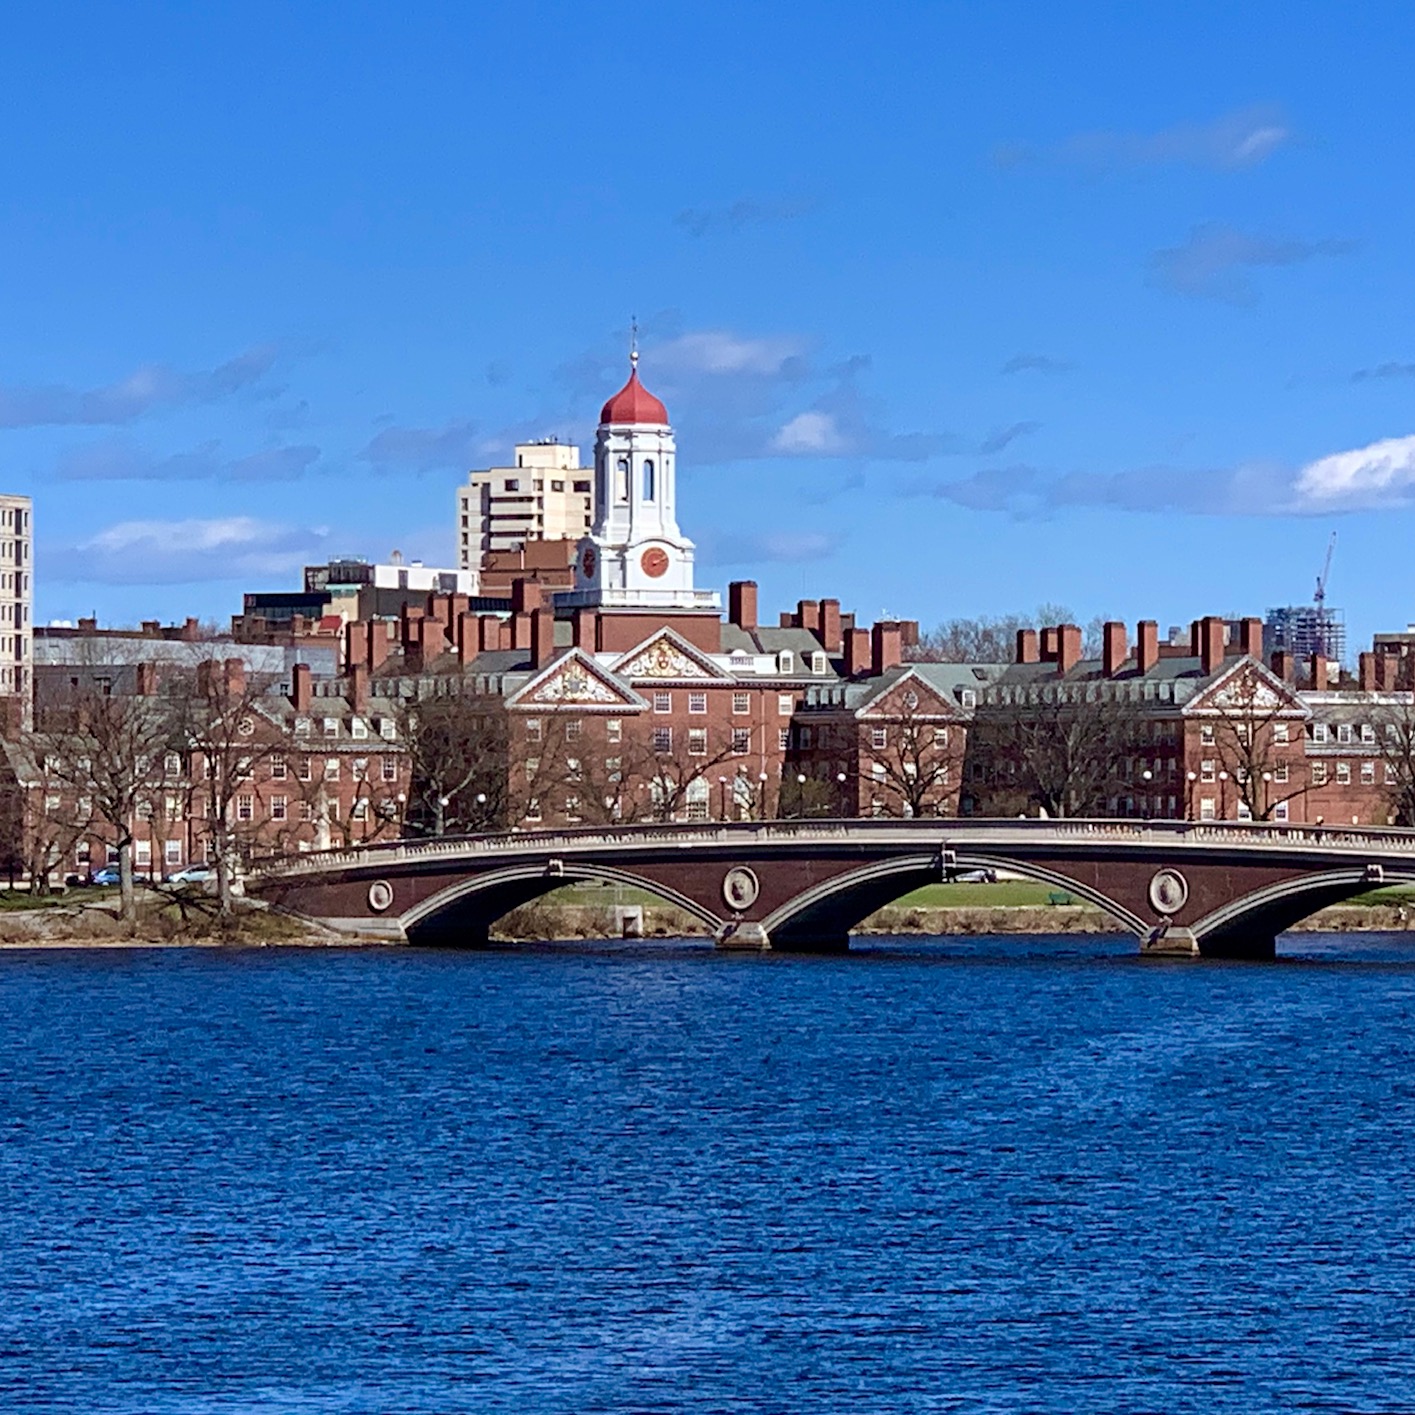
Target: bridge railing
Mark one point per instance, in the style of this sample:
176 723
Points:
937 832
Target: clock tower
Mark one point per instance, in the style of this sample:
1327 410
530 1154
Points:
635 557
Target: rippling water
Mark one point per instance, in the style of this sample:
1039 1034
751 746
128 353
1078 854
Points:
976 1175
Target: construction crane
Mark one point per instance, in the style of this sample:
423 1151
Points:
1319 599
1319 596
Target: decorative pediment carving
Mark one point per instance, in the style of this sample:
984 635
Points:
665 657
574 681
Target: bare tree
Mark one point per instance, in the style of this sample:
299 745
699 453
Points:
1395 734
1257 741
990 638
459 750
104 752
915 756
1060 750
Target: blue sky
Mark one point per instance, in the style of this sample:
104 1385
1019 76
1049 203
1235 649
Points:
956 308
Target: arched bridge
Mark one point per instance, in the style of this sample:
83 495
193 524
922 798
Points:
1217 889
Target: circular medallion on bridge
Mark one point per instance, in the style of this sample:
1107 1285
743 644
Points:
1169 892
380 895
740 888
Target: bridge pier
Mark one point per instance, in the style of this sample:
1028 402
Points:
743 937
1169 943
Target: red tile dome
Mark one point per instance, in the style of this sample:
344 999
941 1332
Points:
634 404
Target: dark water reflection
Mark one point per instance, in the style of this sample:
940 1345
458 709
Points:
972 1175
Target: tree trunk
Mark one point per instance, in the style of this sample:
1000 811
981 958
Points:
224 906
127 896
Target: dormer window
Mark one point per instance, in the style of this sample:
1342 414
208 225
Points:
819 663
786 661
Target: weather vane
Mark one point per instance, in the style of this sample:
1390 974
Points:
634 341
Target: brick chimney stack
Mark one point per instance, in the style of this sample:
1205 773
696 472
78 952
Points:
1114 648
358 687
1068 647
584 629
526 597
468 642
1319 672
742 604
1283 665
1028 649
886 648
830 627
1147 645
302 687
1367 672
857 652
542 636
1050 640
1250 638
808 614
1211 635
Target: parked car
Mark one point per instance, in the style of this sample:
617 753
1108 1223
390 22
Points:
193 874
108 875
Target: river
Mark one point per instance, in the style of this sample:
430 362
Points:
955 1175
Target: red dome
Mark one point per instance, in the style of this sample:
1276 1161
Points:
634 404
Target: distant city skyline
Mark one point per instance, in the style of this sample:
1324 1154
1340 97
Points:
944 327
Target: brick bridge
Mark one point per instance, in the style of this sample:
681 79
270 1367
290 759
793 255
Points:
1223 890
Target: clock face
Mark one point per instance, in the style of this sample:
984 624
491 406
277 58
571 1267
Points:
654 561
587 562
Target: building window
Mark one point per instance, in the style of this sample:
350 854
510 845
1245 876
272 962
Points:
305 772
1206 769
533 729
306 811
879 737
783 738
1368 733
697 741
621 479
1343 773
172 764
358 727
940 736
572 730
1343 732
1368 773
583 487
278 807
1206 808
360 809
663 702
331 768
1390 773
245 808
663 739
648 479
302 727
741 740
697 702
1319 732
785 704
1280 811
613 730
390 769
511 484
741 702
1280 773
331 726
1280 732
532 809
1319 773
172 853
1206 734
786 661
278 768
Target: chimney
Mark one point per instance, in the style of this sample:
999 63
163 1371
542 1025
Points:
886 648
431 642
488 633
830 629
1250 638
233 677
584 628
152 628
1114 649
88 626
1147 645
1367 672
1319 672
468 641
191 630
1068 651
1050 647
525 598
1283 665
1387 671
788 620
1028 650
1212 634
1196 648
358 687
521 629
542 636
146 680
857 652
301 688
808 614
356 644
506 634
742 604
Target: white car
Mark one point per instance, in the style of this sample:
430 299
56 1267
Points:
193 874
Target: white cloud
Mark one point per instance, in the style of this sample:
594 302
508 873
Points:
717 351
1381 474
810 434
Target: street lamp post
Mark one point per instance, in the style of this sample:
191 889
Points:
1223 795
1190 778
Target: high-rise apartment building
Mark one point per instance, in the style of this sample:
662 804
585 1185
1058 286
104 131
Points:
16 609
547 495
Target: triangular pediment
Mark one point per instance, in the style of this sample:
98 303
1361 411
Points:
667 655
575 680
1248 688
909 696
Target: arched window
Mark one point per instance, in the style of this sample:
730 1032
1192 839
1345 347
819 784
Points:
621 479
648 479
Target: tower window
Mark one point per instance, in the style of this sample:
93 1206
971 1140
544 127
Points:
621 479
648 479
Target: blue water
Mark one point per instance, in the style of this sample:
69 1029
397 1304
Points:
977 1175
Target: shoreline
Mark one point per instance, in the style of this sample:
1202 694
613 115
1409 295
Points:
58 926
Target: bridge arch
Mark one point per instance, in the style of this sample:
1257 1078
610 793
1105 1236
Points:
825 913
1249 925
464 912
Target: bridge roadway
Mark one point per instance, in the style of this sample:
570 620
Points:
1223 889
